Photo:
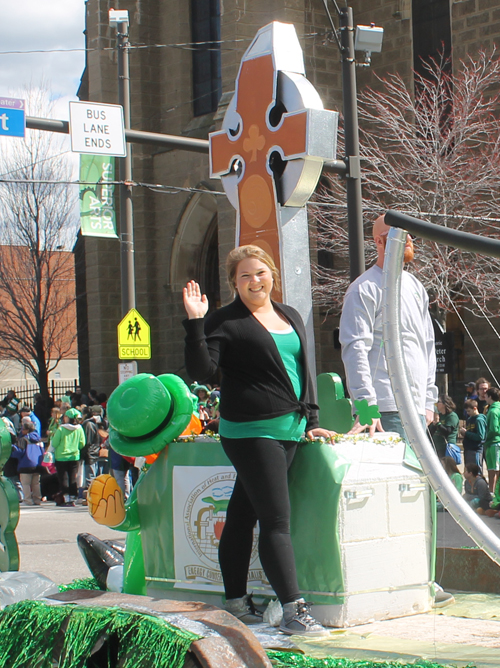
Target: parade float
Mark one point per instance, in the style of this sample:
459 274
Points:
362 509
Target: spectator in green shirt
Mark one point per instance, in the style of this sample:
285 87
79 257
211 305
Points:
446 429
492 442
473 434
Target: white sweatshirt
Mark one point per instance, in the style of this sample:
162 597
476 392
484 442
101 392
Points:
363 349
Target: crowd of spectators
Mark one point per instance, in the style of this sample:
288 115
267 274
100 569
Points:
60 446
480 434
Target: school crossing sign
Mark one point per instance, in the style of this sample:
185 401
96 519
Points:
134 338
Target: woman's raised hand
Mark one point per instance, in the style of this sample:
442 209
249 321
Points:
195 303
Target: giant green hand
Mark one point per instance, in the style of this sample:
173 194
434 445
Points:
9 517
5 444
9 509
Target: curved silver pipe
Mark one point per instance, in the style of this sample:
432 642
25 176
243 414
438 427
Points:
438 479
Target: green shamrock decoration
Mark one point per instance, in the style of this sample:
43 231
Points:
366 413
335 411
9 509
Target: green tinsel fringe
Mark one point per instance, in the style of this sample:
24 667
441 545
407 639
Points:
287 659
37 635
34 634
84 583
28 634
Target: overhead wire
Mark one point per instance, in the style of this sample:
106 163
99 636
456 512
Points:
156 187
35 164
478 219
483 312
473 341
164 187
178 45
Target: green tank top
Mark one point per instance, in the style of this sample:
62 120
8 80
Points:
291 426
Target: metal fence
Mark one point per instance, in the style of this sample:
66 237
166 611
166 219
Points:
57 389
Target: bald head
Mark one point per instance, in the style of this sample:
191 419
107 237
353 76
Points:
379 227
380 232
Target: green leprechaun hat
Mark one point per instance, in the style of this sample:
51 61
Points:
147 412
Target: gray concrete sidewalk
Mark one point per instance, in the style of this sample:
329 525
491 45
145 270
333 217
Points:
450 534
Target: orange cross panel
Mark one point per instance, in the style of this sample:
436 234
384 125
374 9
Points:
256 138
256 194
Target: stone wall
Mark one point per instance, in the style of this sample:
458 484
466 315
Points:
161 87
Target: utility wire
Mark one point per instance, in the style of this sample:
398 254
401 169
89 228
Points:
157 187
179 45
34 164
482 311
472 339
457 216
161 187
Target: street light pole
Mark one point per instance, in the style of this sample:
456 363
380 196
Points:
126 208
351 139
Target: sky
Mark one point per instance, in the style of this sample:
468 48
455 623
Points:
42 25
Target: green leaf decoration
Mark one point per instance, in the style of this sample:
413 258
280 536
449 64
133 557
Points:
366 413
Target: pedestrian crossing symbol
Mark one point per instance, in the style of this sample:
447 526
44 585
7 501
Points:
134 339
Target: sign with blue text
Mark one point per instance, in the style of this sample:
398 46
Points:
12 117
97 129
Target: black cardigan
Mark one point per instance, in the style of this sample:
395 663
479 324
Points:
255 384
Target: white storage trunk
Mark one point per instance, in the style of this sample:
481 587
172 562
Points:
385 534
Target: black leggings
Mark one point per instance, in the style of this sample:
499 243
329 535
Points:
71 469
260 493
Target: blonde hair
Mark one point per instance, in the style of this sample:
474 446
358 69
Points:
243 253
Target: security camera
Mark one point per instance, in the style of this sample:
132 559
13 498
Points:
368 39
117 16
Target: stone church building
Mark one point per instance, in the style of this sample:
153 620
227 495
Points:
186 231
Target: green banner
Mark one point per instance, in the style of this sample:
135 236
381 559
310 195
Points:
97 206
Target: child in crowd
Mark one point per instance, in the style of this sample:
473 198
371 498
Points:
444 432
55 421
451 468
473 434
477 492
29 451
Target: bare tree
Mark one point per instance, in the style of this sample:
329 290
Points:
37 300
433 154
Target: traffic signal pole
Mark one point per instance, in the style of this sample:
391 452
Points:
126 209
351 137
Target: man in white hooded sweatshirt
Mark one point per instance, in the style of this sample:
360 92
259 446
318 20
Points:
362 343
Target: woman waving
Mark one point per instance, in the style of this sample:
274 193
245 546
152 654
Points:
268 401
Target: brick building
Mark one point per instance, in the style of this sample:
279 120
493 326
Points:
23 294
178 90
